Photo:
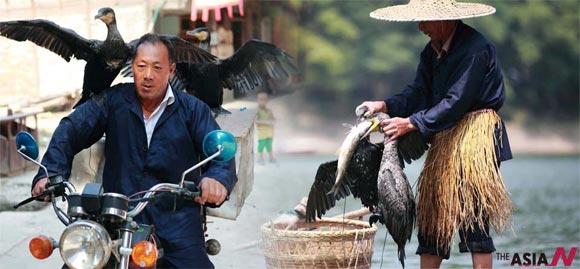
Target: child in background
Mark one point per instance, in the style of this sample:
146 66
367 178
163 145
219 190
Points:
265 127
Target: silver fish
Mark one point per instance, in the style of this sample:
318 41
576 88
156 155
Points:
346 151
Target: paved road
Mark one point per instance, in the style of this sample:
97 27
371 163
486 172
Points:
16 229
277 187
239 239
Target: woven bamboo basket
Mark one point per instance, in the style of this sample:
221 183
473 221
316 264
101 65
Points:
326 243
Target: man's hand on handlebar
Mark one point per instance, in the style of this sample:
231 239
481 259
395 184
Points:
40 187
212 191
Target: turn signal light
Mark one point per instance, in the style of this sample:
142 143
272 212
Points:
144 254
41 247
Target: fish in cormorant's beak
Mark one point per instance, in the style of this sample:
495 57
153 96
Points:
364 114
346 151
375 120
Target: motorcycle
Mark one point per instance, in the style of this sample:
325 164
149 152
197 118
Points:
100 231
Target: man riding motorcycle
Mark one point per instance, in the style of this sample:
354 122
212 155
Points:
153 133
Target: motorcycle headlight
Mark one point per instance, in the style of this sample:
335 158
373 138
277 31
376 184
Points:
85 244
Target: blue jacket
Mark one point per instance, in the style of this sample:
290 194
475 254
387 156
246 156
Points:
132 166
468 78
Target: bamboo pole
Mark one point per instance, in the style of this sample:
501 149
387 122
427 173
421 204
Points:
356 214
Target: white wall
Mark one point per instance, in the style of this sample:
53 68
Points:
29 70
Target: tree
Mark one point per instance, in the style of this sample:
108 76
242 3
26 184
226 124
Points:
347 57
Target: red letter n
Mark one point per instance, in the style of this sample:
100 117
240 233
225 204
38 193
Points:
560 252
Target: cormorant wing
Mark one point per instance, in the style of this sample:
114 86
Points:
363 171
187 52
201 80
411 147
62 41
319 198
360 180
253 64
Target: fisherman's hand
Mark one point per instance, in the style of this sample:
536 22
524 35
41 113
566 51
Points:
39 188
212 191
373 106
397 127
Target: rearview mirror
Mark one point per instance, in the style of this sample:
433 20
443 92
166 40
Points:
25 144
220 141
217 145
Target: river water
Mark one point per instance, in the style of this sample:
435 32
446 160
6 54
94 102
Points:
545 191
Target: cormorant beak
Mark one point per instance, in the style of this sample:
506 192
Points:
201 36
105 16
99 15
374 126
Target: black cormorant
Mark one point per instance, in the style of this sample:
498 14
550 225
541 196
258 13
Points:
104 59
374 174
249 67
360 180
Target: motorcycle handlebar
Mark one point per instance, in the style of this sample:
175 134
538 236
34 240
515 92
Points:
55 187
188 192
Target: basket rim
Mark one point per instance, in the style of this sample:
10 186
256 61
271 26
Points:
365 228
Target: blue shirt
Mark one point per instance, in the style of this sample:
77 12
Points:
466 79
131 165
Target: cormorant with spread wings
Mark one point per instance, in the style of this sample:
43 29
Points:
249 67
105 59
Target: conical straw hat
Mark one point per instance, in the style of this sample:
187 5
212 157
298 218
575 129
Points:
432 10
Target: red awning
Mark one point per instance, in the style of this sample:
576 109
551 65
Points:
216 5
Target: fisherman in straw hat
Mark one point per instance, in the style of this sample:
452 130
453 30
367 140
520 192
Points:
453 102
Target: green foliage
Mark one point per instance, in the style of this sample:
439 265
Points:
358 58
391 47
343 29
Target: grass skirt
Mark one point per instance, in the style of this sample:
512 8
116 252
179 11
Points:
460 184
